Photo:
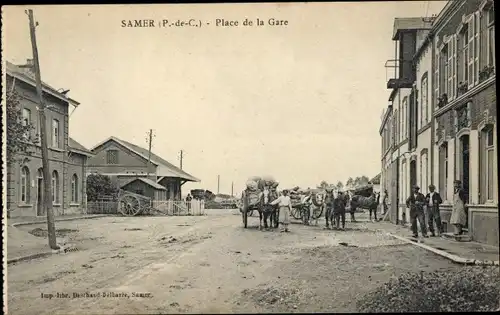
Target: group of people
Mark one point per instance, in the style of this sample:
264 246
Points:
334 206
418 203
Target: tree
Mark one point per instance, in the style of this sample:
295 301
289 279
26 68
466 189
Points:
339 185
18 129
323 184
350 182
364 180
99 185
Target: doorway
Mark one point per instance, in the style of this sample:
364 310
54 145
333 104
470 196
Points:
39 194
413 174
395 192
464 169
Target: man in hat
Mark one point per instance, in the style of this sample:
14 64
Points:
339 210
416 204
458 214
433 200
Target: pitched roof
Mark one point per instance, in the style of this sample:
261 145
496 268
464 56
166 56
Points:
148 182
76 147
28 77
165 168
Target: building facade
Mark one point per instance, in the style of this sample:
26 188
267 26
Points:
448 130
67 158
124 162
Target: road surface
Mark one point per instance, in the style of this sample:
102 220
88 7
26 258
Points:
208 264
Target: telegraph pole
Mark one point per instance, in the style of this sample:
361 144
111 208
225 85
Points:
232 189
181 157
150 143
218 183
47 194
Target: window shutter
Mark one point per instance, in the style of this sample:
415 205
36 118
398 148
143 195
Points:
436 77
471 52
454 67
449 79
477 46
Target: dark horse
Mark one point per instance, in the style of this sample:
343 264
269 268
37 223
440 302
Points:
369 203
267 210
328 203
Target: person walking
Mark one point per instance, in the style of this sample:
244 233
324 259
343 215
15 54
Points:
458 216
416 204
433 200
285 206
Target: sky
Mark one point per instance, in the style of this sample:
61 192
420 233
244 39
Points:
301 102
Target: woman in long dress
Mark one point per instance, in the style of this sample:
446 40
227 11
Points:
285 206
458 215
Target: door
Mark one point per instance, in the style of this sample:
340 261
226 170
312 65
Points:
413 173
394 192
39 197
464 169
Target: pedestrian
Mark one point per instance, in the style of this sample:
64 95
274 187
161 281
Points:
285 206
339 210
416 204
306 207
458 216
384 202
433 200
188 202
328 206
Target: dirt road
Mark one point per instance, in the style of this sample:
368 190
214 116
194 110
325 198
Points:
208 264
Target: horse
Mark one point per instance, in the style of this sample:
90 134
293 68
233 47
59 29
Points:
316 205
268 210
328 203
369 203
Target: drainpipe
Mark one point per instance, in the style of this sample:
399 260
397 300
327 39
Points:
432 103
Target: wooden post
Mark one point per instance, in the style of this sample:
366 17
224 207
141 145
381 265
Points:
47 195
150 140
181 158
218 183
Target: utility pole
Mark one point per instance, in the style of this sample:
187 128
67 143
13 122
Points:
47 194
232 189
181 157
218 183
150 143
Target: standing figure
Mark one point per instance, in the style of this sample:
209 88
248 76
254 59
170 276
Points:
384 202
339 210
352 208
416 204
285 206
458 216
188 202
328 204
306 207
433 200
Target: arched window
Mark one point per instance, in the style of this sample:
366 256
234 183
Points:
74 189
24 185
55 187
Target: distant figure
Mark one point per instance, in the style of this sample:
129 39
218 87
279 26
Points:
339 210
433 201
384 202
188 201
458 215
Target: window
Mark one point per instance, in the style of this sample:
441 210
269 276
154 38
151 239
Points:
436 78
55 133
112 157
74 189
395 128
424 162
25 185
472 59
487 166
445 63
443 170
465 55
26 121
490 41
424 109
55 187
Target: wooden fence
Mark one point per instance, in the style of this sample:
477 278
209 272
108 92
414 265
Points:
167 207
102 207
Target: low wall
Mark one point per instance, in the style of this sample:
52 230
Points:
484 224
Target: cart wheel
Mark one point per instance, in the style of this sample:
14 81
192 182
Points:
318 211
296 213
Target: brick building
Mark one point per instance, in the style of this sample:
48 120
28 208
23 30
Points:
67 158
462 117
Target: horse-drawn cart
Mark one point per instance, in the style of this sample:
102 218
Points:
250 201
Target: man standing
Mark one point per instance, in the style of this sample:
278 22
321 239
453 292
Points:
458 215
188 202
384 202
339 210
306 207
433 200
416 204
